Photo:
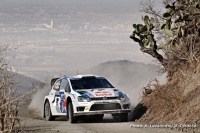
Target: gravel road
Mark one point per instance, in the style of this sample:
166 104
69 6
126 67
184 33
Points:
85 125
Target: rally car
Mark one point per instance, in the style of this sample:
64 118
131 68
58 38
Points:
82 95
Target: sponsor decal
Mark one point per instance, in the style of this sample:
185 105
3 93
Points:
103 93
63 102
78 90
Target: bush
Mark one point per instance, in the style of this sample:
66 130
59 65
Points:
9 102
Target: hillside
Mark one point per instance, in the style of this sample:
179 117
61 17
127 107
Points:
23 83
175 103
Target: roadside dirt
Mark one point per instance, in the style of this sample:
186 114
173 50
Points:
86 125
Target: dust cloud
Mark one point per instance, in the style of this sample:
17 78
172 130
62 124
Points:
36 105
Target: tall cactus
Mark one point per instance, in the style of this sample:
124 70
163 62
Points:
181 19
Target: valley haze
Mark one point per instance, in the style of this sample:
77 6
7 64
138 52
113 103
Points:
61 37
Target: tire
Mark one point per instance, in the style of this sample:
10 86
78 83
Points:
67 114
72 118
98 117
47 112
123 117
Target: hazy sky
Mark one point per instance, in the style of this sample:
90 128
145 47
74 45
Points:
111 5
85 32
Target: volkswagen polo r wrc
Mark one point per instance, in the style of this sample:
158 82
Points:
84 95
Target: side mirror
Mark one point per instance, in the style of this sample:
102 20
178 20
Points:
56 86
53 81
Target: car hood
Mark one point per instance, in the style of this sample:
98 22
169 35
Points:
105 92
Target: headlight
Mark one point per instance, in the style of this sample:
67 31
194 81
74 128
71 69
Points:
121 96
83 99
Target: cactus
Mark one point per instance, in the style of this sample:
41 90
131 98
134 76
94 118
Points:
144 31
168 32
182 18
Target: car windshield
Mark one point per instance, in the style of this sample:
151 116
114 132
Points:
90 83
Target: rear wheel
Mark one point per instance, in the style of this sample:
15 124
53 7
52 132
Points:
72 118
98 117
123 117
47 111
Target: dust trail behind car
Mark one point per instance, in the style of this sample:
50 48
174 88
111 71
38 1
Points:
36 106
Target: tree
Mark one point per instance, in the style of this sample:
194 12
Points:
9 102
170 31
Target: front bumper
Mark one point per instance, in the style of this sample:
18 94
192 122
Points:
101 107
103 112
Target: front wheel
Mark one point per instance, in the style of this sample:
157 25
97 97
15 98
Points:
47 111
72 118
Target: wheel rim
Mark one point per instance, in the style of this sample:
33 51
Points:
47 110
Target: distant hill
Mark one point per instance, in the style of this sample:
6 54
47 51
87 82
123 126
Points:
127 75
23 83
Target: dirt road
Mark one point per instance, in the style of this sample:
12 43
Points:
85 125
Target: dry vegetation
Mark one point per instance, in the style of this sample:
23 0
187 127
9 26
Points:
177 101
9 102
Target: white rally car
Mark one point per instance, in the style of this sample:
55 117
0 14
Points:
81 95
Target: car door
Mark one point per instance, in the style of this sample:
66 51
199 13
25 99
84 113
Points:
62 103
55 92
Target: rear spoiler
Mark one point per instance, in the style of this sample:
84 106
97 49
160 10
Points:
88 77
53 81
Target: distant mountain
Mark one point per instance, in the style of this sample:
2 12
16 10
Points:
126 75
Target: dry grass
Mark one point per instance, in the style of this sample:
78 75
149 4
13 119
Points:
170 101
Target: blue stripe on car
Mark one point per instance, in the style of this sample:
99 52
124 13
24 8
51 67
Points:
85 95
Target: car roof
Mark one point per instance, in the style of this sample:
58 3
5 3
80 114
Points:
82 76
